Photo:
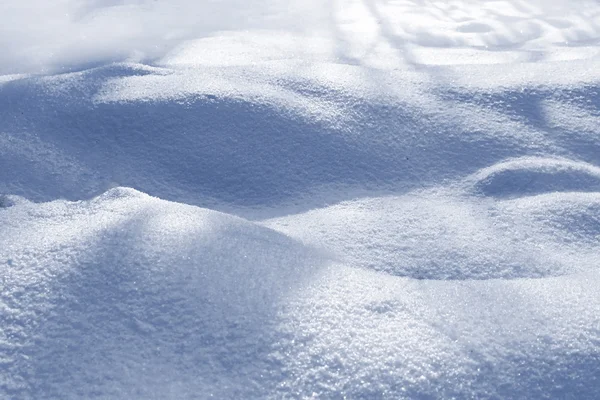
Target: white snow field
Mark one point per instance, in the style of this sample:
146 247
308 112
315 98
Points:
361 199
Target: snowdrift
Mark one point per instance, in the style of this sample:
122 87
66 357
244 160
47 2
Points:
370 199
127 295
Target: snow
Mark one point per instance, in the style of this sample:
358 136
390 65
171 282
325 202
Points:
267 199
128 295
533 237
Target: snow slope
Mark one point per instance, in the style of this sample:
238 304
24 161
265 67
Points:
129 296
360 199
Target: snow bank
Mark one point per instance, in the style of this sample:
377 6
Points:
239 138
362 334
127 296
451 234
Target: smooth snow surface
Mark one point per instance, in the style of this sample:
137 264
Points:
299 199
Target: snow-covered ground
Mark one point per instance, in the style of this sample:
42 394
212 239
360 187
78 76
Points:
299 199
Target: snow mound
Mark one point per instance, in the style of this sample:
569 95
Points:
443 235
279 133
534 175
569 219
127 296
361 334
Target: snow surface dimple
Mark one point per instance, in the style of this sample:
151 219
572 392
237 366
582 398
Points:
536 175
6 201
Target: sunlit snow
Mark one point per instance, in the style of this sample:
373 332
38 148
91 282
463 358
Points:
299 199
